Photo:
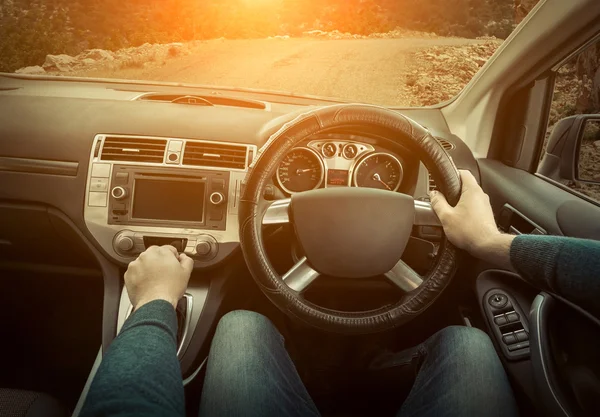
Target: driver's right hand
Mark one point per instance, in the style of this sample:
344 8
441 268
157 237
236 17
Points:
470 225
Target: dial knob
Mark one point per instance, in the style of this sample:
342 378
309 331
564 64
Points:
124 243
217 198
118 193
203 248
206 247
498 300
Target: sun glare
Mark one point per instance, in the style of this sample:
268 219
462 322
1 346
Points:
260 2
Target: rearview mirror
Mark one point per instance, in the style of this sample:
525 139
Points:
573 150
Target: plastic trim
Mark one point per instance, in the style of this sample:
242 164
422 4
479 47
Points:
88 384
39 166
539 357
112 283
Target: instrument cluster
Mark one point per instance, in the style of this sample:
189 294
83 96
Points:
338 163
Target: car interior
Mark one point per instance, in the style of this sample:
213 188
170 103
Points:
293 194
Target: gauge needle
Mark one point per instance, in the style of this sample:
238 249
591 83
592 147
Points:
302 171
376 177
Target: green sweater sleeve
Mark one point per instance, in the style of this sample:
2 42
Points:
566 266
140 373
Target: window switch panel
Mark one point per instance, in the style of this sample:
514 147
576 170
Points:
508 324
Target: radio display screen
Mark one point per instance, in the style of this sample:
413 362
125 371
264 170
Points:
168 200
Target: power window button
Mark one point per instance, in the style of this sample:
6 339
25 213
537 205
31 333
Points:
517 346
522 336
509 339
500 320
512 317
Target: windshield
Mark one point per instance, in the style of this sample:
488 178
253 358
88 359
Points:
389 52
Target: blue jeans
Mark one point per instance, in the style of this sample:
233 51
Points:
249 373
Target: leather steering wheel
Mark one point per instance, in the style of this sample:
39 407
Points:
348 232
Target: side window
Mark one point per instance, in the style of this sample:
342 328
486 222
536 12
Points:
571 150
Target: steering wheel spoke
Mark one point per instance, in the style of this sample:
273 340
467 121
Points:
277 212
300 276
404 277
424 215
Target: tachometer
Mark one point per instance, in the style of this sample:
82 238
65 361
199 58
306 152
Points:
379 170
301 170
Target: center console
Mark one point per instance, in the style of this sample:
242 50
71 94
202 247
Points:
144 191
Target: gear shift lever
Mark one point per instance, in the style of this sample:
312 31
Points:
184 315
181 311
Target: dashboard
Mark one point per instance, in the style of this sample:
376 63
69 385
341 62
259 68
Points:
127 172
144 190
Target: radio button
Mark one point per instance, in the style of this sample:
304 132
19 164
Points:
218 184
97 199
122 177
118 192
216 198
100 170
99 184
215 214
119 209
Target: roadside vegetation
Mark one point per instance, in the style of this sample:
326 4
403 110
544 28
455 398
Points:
32 29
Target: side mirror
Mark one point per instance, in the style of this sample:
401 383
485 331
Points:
573 151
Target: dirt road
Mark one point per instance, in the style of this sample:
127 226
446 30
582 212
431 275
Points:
366 70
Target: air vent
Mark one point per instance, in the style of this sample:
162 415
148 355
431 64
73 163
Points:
214 100
432 185
133 150
210 154
445 144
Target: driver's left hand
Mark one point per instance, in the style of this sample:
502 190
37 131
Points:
159 273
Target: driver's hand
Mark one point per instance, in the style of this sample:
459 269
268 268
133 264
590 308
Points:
470 225
159 273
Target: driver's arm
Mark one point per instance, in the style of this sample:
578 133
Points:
565 266
140 373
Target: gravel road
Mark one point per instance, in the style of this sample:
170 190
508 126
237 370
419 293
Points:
365 70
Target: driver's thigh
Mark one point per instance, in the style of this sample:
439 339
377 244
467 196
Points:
460 375
250 373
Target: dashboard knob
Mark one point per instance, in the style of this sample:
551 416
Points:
118 192
203 248
216 198
124 243
207 247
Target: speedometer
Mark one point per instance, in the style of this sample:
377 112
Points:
301 170
379 170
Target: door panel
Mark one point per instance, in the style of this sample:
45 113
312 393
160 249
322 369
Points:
558 211
564 370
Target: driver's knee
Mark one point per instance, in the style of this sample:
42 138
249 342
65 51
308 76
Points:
467 346
244 328
462 339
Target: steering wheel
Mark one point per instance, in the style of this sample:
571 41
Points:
348 232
